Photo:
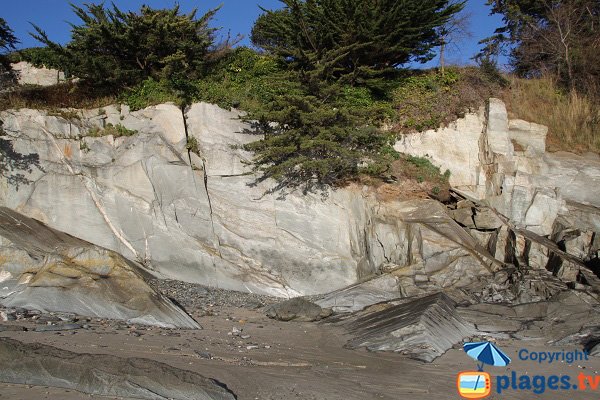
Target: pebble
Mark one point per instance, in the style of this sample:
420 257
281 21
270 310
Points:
204 354
194 296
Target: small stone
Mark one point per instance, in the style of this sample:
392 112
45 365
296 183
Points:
236 332
204 354
245 337
252 347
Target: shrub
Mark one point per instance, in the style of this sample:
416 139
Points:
64 95
110 129
247 80
428 99
38 57
151 92
192 145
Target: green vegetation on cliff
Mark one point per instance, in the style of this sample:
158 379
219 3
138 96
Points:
326 91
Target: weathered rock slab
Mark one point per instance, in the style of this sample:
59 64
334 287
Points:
27 74
422 328
48 270
103 375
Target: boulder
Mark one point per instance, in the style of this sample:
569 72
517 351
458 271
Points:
297 309
103 375
486 219
357 297
48 270
463 216
423 328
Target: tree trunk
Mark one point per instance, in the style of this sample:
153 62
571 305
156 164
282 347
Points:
442 60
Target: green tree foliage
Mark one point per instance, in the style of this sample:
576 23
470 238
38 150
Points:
340 56
38 57
355 39
310 143
121 49
560 37
7 43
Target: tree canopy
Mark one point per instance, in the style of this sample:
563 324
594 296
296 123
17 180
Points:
7 41
121 49
557 37
353 38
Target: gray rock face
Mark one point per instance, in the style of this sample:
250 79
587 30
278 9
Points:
567 317
27 74
193 217
423 328
553 195
297 309
359 296
103 375
47 270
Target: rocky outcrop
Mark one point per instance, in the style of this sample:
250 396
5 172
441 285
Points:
423 328
47 270
528 207
195 217
27 74
103 375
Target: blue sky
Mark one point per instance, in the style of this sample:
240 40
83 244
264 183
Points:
236 16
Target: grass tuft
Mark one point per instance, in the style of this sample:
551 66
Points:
573 120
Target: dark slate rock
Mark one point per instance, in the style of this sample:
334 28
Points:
423 328
104 375
297 309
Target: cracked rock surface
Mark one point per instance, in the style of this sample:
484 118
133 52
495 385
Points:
105 375
193 217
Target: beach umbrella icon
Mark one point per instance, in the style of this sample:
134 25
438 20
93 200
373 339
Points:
486 353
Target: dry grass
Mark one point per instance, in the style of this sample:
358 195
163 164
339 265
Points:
65 95
573 120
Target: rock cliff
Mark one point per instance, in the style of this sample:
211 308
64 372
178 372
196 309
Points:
195 215
529 207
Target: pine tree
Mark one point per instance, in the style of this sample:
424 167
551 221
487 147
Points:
120 49
556 37
353 39
7 42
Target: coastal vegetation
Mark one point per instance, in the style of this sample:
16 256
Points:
329 106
